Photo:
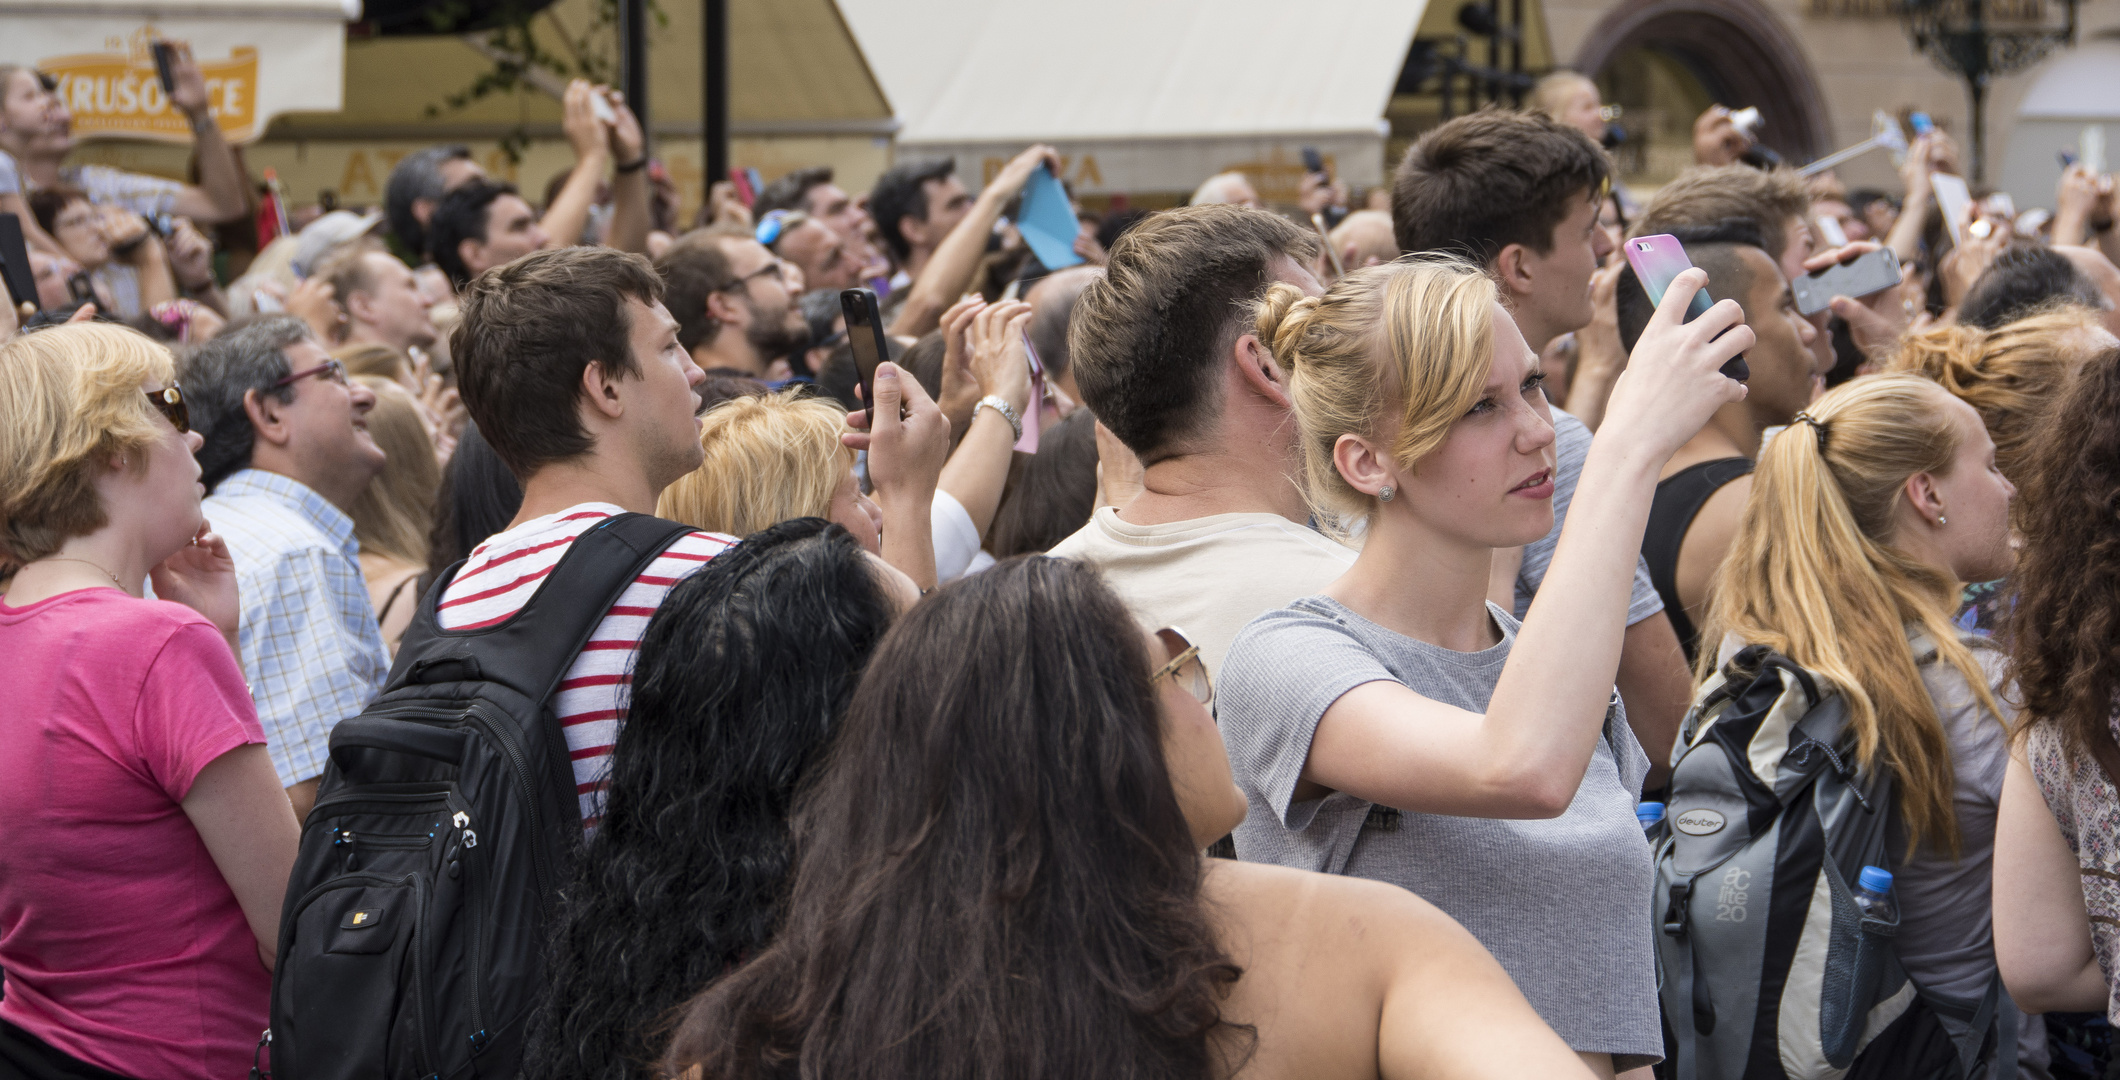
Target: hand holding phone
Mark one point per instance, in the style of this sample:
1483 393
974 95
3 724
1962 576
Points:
1657 261
1675 378
865 336
1868 273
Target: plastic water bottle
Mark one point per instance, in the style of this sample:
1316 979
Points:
1649 814
1873 894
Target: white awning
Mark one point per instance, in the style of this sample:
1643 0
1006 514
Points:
260 58
2080 83
1141 96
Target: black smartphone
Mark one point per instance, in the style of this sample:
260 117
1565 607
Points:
14 263
1312 160
865 336
165 53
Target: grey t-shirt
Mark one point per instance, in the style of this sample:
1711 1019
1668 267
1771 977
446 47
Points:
1571 447
1563 903
1946 936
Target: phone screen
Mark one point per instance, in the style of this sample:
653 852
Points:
1954 199
1659 259
865 336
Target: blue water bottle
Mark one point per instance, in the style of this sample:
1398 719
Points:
1649 814
1873 894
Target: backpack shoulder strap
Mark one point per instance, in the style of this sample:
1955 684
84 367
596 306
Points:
531 650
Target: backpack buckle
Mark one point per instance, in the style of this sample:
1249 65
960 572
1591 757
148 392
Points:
1676 912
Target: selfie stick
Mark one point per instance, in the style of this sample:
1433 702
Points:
1888 137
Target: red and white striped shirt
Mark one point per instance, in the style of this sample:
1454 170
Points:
503 573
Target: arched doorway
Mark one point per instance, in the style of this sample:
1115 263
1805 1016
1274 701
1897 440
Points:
1671 56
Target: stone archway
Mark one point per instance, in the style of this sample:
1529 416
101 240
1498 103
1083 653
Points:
1740 52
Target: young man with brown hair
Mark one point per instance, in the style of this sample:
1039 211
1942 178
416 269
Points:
1163 353
1519 194
573 372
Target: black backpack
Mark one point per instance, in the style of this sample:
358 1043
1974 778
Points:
412 940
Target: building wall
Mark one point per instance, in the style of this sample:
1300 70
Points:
1861 63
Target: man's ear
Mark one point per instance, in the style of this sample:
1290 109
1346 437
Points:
913 230
1255 362
1512 268
268 417
423 210
358 304
721 307
467 252
600 390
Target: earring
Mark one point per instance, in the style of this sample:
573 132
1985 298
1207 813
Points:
1386 494
1941 520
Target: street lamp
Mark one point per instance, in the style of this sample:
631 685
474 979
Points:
1977 40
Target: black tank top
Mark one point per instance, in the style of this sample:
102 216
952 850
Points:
1678 500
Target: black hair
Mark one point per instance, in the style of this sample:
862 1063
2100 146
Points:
1712 248
1117 222
2021 280
477 499
742 679
901 193
218 375
461 216
417 176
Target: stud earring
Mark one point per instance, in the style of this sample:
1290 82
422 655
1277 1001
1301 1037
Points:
1941 520
1386 494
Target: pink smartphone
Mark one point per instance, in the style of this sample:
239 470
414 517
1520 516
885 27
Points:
1659 259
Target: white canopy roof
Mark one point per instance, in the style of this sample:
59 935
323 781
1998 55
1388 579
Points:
1134 81
259 57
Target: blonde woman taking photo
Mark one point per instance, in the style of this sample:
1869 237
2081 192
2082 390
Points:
1866 517
1398 726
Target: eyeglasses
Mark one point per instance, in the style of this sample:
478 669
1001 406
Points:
775 269
1185 665
330 369
169 401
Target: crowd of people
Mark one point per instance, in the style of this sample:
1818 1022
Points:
1286 643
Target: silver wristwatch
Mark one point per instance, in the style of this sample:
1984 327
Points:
1008 412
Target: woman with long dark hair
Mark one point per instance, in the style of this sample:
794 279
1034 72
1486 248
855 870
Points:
743 675
1000 876
2057 833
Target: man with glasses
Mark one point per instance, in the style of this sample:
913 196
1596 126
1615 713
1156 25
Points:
286 453
734 302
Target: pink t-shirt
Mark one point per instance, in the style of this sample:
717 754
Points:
122 944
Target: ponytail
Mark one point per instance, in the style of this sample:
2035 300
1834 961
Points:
1811 576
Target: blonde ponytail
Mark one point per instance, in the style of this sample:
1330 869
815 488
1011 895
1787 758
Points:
1811 576
1406 345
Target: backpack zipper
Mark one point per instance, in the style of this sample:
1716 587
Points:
474 903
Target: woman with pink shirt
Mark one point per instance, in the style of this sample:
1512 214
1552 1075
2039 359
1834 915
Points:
145 840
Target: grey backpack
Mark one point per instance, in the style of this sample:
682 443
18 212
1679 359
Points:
1766 968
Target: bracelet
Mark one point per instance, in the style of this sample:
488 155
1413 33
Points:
637 165
1007 412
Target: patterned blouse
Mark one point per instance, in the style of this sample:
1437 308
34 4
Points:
2088 810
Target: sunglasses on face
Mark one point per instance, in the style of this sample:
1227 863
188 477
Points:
1185 665
169 401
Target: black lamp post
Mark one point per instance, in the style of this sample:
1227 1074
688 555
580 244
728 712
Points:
1977 40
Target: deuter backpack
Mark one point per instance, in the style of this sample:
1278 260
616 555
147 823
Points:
412 940
1766 967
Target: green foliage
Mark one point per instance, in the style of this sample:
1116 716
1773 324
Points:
514 52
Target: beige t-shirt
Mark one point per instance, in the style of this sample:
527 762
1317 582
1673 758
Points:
1207 576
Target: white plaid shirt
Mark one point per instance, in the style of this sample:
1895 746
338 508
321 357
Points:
311 648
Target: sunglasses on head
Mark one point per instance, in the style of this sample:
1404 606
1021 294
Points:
169 401
1185 666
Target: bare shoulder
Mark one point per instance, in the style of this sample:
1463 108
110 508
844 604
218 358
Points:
1277 905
